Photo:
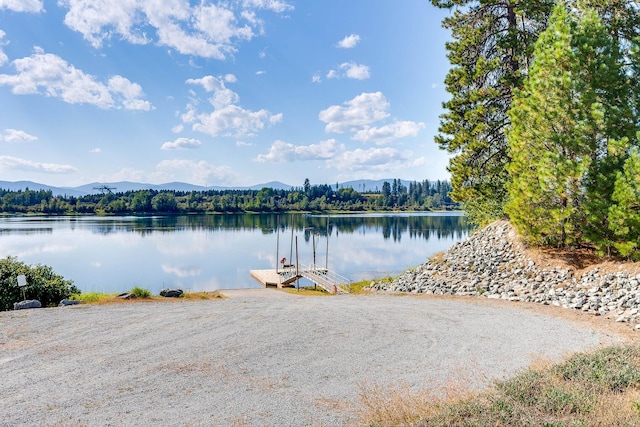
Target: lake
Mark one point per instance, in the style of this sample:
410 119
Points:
208 252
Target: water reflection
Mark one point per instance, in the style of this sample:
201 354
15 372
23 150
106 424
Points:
205 252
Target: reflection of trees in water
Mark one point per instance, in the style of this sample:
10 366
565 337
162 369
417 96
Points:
392 227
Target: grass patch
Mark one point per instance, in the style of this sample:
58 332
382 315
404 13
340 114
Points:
200 296
359 287
598 388
94 298
140 292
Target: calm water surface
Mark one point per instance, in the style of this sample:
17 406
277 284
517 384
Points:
208 252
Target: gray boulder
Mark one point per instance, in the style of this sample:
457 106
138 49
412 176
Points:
66 302
126 295
30 303
171 293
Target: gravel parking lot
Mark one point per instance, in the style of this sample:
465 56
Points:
260 357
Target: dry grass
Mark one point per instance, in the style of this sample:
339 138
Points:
95 298
307 291
599 388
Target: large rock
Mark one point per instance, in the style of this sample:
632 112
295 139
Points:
171 293
126 295
30 303
65 302
493 263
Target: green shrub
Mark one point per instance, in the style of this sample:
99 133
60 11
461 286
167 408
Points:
140 292
42 284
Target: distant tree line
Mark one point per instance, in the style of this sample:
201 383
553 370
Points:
425 195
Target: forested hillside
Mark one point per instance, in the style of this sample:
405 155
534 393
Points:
425 195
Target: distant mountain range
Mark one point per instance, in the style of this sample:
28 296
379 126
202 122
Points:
124 186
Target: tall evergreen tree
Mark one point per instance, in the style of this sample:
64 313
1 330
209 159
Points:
490 55
490 52
548 156
571 128
624 213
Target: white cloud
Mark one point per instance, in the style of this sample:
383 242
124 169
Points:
177 128
350 70
388 133
96 150
192 171
260 72
49 75
277 6
209 83
131 92
205 30
181 144
375 160
243 144
3 56
34 6
356 114
282 152
316 78
14 163
227 118
349 41
361 116
14 135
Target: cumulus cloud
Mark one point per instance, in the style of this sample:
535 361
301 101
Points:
277 6
14 135
96 150
284 152
14 163
181 144
227 118
349 41
192 171
47 74
375 160
205 30
350 70
3 56
365 115
33 6
388 133
356 114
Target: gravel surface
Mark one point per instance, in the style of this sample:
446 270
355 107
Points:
261 357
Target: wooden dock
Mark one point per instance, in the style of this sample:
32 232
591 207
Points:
268 278
329 281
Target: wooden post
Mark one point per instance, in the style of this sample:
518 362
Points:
326 258
277 242
297 271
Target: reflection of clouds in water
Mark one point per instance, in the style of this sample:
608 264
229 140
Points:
20 251
182 271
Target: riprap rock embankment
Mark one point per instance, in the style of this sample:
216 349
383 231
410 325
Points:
493 263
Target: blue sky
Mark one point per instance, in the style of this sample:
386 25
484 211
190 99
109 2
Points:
235 92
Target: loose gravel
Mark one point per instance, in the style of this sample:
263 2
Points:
261 357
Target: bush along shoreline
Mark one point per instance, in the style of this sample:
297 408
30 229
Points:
494 263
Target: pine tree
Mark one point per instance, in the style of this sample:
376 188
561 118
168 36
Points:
624 214
549 158
490 52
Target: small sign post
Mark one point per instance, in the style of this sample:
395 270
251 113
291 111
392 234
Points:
22 282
